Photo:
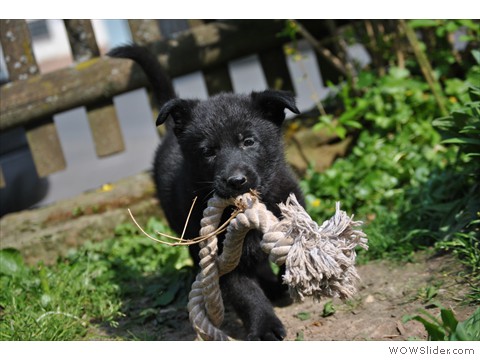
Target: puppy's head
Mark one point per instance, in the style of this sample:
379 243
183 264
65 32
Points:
231 142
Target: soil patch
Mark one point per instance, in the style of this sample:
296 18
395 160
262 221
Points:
388 291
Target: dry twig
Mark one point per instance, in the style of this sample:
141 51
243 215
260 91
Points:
186 242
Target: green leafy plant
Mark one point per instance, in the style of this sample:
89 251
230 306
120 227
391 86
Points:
412 176
447 327
439 41
396 149
447 207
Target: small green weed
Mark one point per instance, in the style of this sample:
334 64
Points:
300 336
328 309
304 315
427 294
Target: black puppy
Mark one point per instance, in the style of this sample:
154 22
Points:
226 145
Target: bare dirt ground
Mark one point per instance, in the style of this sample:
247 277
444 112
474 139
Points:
388 292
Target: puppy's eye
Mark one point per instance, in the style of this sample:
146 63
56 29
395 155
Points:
248 142
209 152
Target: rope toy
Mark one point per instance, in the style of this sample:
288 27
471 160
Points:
319 259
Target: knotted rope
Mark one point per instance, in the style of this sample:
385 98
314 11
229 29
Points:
319 259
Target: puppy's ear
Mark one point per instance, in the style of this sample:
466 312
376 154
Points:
181 112
272 104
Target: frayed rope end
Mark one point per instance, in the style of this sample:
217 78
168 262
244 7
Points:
321 260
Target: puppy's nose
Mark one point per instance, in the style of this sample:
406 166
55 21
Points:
237 181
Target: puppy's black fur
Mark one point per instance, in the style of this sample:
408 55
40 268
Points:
226 145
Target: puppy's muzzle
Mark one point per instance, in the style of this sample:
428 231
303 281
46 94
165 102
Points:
237 182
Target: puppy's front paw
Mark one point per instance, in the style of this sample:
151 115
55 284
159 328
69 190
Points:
270 329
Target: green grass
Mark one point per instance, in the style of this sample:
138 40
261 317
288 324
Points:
94 287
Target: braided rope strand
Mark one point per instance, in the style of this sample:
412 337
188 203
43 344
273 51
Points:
319 259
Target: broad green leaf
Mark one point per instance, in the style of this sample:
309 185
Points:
422 23
11 262
443 122
462 141
470 328
303 315
473 154
466 38
300 336
365 79
451 26
328 309
168 296
469 130
435 331
473 25
354 124
476 55
431 292
341 132
448 319
398 73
